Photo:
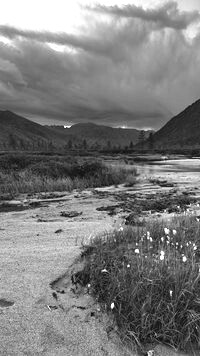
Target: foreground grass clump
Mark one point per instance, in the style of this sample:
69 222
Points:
149 278
31 174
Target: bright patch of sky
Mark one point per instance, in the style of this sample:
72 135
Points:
67 16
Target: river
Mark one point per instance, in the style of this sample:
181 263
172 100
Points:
178 170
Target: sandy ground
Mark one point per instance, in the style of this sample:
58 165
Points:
32 255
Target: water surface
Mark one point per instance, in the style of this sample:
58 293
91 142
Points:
179 169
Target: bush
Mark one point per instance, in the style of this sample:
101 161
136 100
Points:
130 180
149 278
14 162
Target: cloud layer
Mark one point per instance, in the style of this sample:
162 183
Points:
126 66
167 15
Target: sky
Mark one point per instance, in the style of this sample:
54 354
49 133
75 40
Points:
111 62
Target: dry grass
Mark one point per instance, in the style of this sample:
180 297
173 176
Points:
21 174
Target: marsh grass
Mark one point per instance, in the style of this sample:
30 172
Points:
148 278
131 180
24 174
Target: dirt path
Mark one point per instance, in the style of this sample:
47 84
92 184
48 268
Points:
37 246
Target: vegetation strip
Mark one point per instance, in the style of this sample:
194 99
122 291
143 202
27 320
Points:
23 173
149 279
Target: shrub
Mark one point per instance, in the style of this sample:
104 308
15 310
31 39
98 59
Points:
14 161
130 180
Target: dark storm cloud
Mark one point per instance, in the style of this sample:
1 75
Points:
114 72
78 87
167 15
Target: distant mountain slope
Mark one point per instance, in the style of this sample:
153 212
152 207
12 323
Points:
181 130
102 135
18 132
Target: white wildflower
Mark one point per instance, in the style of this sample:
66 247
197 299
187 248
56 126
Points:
184 258
166 230
128 265
194 247
148 235
150 353
137 250
104 270
121 228
162 239
89 285
162 255
170 292
174 232
112 305
150 239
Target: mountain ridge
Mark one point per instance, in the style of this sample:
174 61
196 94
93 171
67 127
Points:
103 135
181 130
18 132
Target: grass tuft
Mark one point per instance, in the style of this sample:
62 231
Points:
149 279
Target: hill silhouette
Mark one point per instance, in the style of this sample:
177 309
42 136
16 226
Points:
103 135
183 130
17 132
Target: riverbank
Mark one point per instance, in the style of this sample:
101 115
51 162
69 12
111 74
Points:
39 245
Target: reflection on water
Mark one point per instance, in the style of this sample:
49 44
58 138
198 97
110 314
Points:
186 166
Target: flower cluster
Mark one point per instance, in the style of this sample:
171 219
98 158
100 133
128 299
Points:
161 259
